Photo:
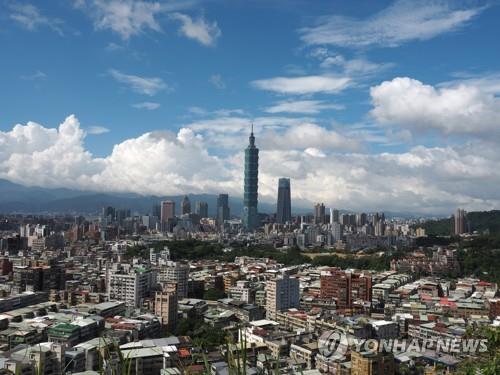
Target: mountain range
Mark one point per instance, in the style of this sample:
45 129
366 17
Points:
16 198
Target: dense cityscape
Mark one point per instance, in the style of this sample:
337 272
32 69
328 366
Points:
176 291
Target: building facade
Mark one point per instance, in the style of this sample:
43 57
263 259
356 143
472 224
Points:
284 206
166 305
167 210
282 293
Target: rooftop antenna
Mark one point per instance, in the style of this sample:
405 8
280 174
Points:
252 127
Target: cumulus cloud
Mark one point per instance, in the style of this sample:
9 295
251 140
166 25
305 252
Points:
303 85
142 85
426 180
301 106
462 108
401 22
199 29
154 163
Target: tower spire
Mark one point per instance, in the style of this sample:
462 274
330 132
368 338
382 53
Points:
251 139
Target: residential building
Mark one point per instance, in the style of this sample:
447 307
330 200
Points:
282 293
166 305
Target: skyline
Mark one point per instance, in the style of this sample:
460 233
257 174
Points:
163 94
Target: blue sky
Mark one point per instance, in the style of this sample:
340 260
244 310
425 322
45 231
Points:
365 105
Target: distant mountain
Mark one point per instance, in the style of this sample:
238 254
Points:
15 198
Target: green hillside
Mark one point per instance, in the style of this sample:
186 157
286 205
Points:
481 221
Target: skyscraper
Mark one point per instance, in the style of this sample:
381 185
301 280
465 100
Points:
334 216
201 209
284 209
167 210
222 209
459 227
319 213
185 206
250 215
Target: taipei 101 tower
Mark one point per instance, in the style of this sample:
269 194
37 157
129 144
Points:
250 215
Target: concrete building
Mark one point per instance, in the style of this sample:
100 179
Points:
176 272
130 284
166 306
319 213
372 363
282 293
167 211
459 221
345 287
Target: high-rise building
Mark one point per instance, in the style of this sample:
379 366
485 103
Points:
167 210
334 216
282 293
284 207
337 231
319 213
250 194
223 213
201 209
361 219
166 305
156 211
108 213
176 272
185 206
459 217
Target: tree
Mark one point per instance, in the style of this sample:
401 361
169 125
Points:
213 294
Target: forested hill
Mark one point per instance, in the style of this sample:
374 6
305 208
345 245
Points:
481 221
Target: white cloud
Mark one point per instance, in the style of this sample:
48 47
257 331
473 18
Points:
129 18
307 135
97 130
303 85
401 22
358 66
217 81
427 180
459 108
30 17
35 76
124 17
199 29
142 85
147 105
301 106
